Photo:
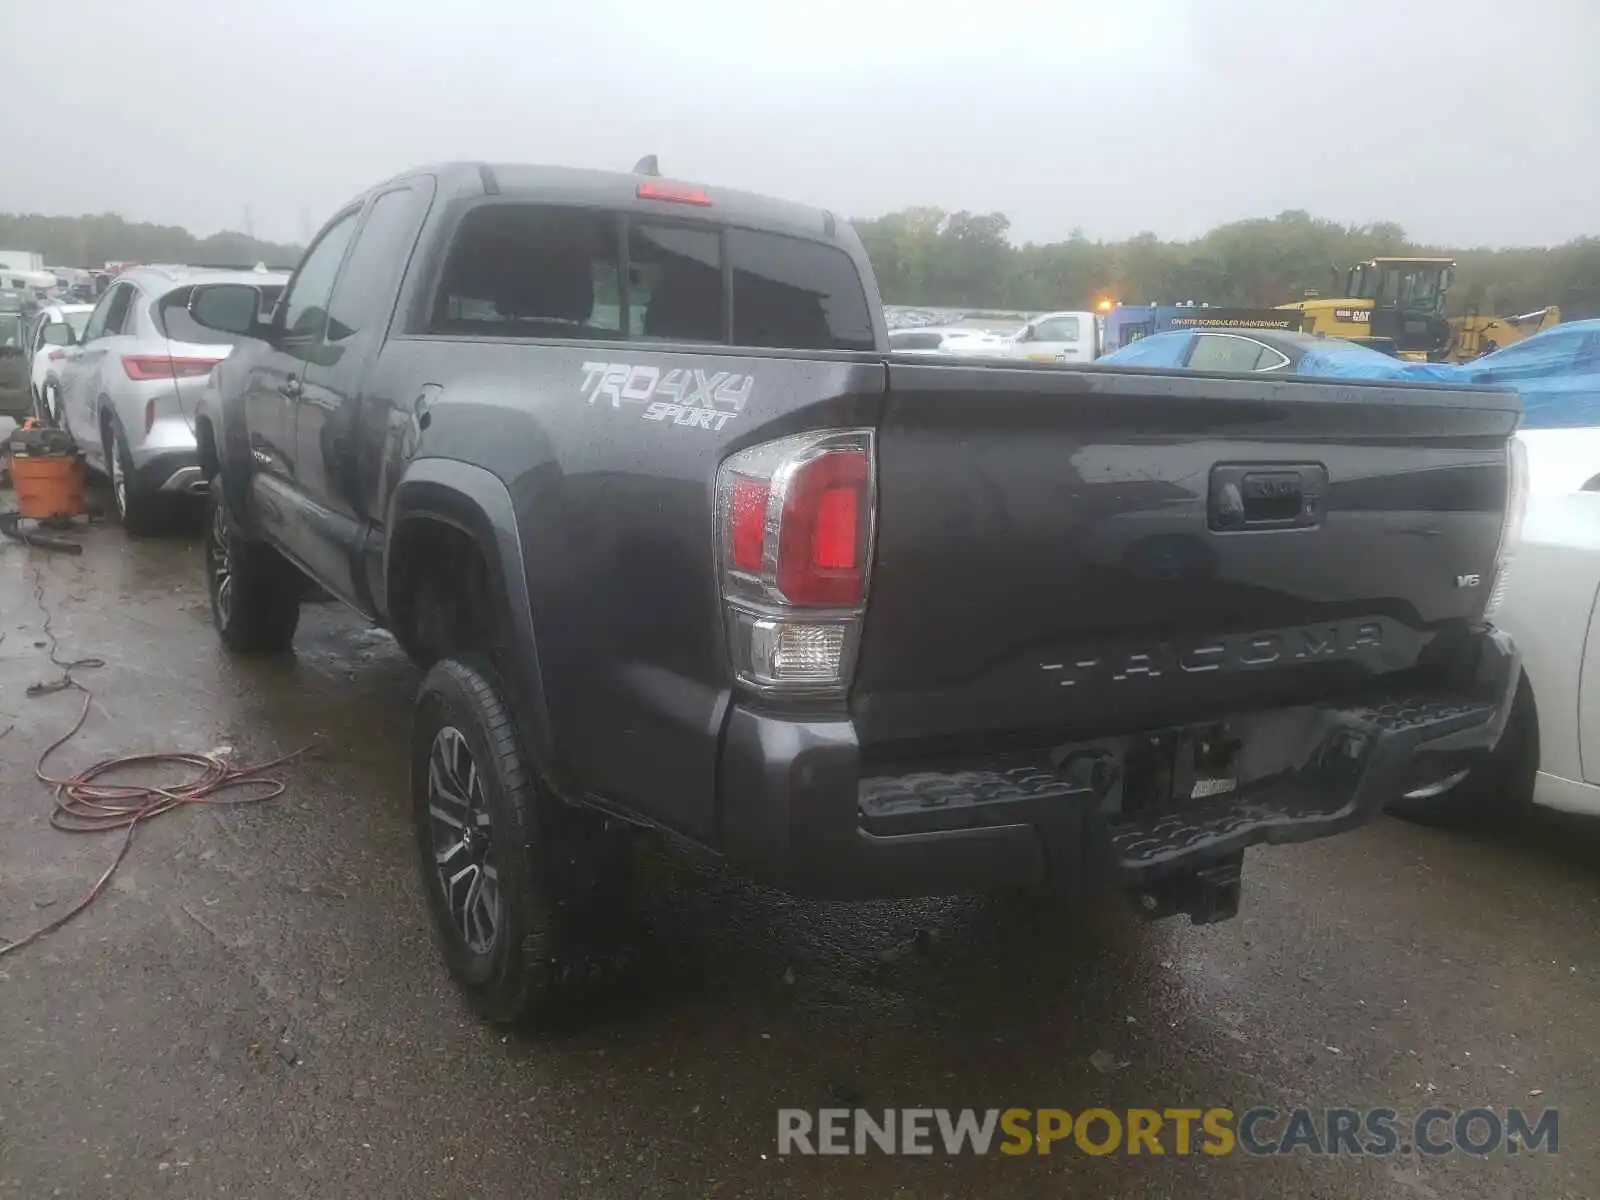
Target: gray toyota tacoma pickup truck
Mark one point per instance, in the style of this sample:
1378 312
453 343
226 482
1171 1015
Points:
624 464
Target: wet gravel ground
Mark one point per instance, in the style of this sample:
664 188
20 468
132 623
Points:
255 1009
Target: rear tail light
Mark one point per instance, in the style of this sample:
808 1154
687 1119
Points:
57 355
145 367
795 520
1511 528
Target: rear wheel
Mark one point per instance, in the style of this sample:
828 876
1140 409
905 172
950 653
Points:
255 591
47 405
136 510
1499 790
530 897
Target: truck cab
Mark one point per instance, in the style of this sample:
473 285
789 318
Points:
1058 337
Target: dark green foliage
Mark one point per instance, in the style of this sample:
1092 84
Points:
928 256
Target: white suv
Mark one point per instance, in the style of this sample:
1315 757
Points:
126 389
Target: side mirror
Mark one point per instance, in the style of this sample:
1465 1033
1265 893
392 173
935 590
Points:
1025 334
227 308
59 333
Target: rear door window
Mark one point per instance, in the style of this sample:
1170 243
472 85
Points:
1224 352
520 270
527 271
109 314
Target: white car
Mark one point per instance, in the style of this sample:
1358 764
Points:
1548 598
944 340
1550 608
45 349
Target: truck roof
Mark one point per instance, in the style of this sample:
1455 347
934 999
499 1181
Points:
620 190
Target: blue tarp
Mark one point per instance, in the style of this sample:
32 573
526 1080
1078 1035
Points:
1334 359
1557 372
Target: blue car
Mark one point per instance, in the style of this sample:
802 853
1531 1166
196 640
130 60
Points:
1261 351
1557 371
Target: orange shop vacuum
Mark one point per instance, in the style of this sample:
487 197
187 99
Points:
48 474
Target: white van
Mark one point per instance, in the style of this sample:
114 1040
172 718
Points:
1058 337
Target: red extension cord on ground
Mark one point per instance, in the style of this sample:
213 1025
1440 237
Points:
86 803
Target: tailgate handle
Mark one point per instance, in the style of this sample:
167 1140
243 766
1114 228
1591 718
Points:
1266 496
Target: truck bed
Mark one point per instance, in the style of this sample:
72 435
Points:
1064 548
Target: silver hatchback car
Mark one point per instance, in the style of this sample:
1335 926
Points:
127 388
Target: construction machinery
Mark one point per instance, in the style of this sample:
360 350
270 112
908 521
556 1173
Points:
1398 305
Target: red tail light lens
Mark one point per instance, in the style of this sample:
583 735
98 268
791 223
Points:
795 523
57 355
145 367
822 535
674 193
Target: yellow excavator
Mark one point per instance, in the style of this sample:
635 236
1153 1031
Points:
1398 305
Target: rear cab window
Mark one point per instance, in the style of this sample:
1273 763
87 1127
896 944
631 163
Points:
542 271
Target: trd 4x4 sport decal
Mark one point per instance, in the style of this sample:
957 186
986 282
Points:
684 396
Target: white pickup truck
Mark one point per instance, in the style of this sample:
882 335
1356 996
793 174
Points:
1057 337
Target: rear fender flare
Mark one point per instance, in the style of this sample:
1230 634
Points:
477 503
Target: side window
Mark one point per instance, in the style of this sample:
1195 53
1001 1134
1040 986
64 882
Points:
306 302
121 319
1224 352
115 299
1057 329
526 270
1154 350
797 294
674 282
375 261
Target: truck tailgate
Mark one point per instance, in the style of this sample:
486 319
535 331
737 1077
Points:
1111 548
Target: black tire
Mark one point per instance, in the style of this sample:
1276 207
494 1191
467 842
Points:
254 590
532 906
1500 789
137 511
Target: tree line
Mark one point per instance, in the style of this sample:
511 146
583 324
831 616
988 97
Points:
926 256
93 241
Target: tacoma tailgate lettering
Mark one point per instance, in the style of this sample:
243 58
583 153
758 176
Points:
1252 651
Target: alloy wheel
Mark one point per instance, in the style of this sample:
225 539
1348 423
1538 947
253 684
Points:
463 848
222 562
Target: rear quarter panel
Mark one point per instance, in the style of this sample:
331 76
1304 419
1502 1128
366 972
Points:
611 469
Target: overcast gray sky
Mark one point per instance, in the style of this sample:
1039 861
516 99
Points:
1466 121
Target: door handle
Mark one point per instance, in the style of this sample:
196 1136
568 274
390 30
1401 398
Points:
290 389
1266 496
